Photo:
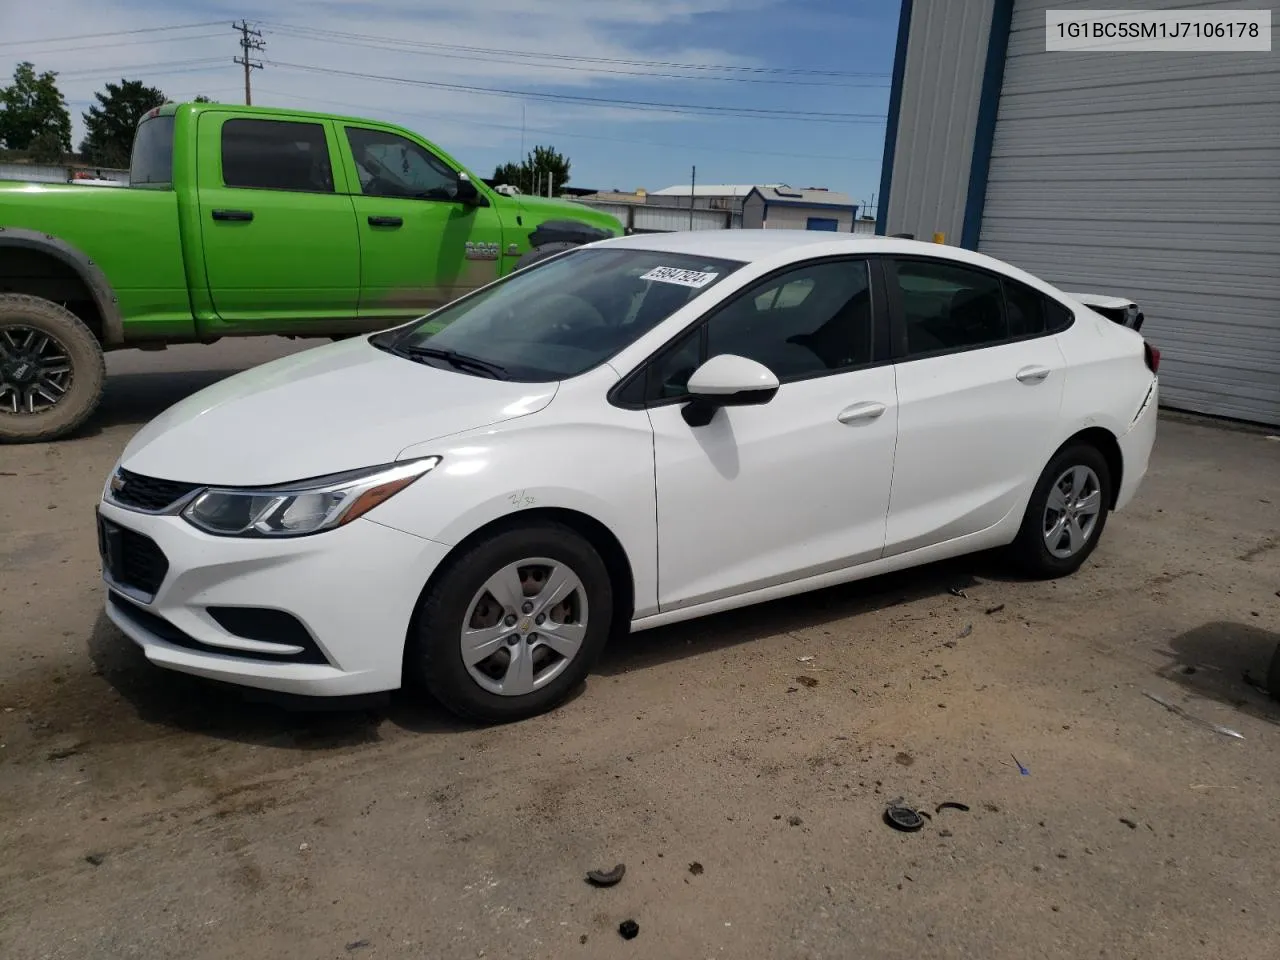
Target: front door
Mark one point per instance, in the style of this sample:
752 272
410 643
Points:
420 247
794 488
279 241
979 388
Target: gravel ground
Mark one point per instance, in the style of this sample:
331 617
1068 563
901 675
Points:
738 765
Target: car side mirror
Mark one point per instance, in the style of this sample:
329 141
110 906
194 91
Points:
468 193
727 380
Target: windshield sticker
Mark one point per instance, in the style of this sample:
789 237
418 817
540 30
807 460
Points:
684 278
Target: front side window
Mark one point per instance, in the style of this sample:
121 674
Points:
947 307
393 166
276 155
806 322
560 318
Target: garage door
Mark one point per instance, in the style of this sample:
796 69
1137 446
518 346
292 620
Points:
1154 176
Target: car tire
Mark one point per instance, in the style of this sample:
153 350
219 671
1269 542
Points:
545 252
457 601
1049 504
64 341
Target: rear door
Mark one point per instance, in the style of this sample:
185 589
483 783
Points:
280 241
420 247
980 382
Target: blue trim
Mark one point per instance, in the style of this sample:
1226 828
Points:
895 107
984 130
853 207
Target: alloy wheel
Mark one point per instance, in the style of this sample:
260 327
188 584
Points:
35 370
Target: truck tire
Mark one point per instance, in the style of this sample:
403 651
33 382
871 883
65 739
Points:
545 252
52 370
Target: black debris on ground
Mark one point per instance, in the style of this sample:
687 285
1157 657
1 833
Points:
996 609
355 945
629 929
807 681
695 868
606 878
1129 823
96 859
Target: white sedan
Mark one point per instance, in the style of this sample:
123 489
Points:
631 433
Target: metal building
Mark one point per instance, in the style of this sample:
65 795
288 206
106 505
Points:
1154 176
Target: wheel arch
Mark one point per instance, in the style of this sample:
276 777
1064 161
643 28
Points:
601 538
74 277
1108 445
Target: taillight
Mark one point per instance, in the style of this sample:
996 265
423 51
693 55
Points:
1152 357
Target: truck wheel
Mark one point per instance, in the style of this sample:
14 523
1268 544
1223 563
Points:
545 252
51 370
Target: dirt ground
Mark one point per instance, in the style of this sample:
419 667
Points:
738 766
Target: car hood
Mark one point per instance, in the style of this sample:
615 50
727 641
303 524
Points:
339 407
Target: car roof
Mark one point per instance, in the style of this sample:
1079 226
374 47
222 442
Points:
749 246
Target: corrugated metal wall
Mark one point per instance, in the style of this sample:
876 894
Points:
1154 176
946 51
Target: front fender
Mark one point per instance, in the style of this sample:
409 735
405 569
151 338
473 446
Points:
603 470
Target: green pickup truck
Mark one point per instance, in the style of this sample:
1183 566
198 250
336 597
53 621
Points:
244 221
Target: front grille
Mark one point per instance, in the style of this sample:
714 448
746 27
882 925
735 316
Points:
148 493
131 559
166 631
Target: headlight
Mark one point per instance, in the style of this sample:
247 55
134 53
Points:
309 506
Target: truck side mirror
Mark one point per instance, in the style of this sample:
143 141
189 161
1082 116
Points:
468 194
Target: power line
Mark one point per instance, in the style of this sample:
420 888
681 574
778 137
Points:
122 43
317 33
404 46
632 141
112 33
759 113
151 69
250 40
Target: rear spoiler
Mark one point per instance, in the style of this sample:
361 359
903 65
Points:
1117 309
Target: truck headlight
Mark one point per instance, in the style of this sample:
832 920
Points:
306 507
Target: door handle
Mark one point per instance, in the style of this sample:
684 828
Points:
1032 374
240 215
857 412
386 221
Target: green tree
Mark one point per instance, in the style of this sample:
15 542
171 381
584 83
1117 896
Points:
33 113
543 165
202 99
111 124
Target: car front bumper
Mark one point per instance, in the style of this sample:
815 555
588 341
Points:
324 615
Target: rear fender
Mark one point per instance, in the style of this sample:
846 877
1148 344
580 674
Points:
89 272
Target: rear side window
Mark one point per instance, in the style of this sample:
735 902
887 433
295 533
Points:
276 155
947 307
1031 313
152 160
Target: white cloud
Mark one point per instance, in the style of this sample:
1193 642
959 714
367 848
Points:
456 119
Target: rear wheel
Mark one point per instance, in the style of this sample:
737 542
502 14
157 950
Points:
1066 515
512 626
52 370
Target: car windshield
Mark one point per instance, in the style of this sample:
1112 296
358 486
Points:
560 318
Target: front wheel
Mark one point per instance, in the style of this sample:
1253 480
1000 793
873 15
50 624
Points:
52 370
1066 515
511 626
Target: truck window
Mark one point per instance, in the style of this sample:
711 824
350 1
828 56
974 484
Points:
276 155
393 166
152 160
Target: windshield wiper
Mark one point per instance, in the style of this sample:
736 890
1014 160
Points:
459 361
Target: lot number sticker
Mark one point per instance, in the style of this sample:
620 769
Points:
683 278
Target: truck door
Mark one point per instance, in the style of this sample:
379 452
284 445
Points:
280 241
420 247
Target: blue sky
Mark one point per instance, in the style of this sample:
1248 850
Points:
575 48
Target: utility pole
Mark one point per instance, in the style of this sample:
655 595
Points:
693 192
250 40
